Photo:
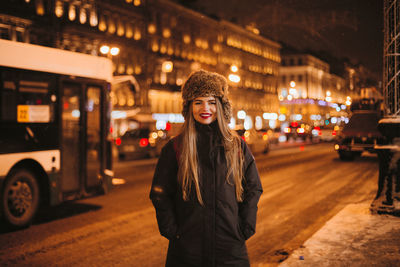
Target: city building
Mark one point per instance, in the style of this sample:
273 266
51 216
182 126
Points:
182 40
309 93
154 46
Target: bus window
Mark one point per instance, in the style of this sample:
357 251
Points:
26 101
8 111
34 96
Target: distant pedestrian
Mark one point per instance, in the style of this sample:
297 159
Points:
206 185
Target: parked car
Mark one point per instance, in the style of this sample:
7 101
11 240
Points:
258 142
140 143
325 134
297 130
359 135
273 135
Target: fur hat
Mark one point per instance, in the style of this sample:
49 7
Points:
204 83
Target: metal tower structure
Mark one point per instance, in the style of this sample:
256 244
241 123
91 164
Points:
391 56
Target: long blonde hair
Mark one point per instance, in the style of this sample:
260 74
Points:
188 173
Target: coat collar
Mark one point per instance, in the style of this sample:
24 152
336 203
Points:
206 128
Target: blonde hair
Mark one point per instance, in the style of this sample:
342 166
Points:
188 173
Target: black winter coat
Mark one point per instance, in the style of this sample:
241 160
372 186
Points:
213 234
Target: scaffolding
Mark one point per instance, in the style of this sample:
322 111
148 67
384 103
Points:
391 56
387 198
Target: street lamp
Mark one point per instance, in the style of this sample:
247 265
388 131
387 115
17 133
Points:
234 78
328 97
114 51
167 66
241 114
106 50
348 100
292 91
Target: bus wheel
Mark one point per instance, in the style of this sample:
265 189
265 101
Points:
20 198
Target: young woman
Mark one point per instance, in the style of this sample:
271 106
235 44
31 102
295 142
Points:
206 185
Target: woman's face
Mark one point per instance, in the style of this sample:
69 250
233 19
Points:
205 109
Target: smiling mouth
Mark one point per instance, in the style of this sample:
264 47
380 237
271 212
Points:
205 115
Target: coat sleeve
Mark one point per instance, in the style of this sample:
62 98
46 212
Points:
163 190
252 190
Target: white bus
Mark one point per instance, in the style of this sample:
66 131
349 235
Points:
54 128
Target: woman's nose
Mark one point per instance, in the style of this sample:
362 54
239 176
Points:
205 105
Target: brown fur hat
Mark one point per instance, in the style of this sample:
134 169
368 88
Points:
204 83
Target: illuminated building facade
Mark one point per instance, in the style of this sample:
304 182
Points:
308 92
189 41
158 43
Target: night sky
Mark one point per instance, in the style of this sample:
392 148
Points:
350 29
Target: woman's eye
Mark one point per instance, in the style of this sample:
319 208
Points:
212 102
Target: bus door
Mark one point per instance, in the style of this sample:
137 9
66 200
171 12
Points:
93 137
71 137
81 137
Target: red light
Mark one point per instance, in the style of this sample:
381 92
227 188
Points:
144 142
118 141
334 133
38 101
243 138
294 124
301 148
66 105
111 129
168 126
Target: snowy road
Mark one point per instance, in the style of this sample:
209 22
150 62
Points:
303 188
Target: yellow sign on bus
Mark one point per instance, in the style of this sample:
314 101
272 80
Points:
33 113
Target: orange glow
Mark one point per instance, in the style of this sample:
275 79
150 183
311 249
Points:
151 28
337 147
167 66
137 34
40 8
